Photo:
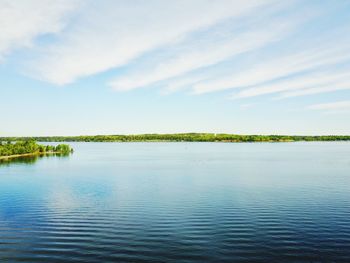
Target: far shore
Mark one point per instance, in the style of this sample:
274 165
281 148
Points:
182 137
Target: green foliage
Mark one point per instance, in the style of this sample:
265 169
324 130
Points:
63 148
30 146
185 137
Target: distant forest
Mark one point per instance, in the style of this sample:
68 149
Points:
182 137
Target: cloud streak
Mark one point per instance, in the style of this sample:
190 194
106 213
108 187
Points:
277 67
21 21
113 33
202 54
334 106
244 49
298 85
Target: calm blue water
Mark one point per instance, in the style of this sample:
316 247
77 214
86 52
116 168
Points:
179 202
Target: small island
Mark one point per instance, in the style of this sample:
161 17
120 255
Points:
10 150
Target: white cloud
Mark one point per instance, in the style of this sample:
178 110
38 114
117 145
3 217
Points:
277 67
190 41
22 21
200 55
298 85
329 87
113 33
181 83
339 105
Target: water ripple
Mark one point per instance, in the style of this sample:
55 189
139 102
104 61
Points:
222 211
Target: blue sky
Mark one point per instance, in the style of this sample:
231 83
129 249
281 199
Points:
71 67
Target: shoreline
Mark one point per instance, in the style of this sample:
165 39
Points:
25 155
183 137
174 141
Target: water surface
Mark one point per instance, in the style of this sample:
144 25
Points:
179 202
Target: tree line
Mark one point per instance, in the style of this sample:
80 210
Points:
184 137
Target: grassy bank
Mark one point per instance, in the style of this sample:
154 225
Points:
26 154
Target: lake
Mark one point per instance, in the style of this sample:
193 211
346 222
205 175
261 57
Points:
179 202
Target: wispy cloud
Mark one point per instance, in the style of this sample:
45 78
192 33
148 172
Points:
22 21
319 80
113 33
324 88
250 48
278 67
193 54
202 64
334 106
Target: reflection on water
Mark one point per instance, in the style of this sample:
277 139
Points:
179 202
30 159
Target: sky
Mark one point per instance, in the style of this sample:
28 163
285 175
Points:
75 67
